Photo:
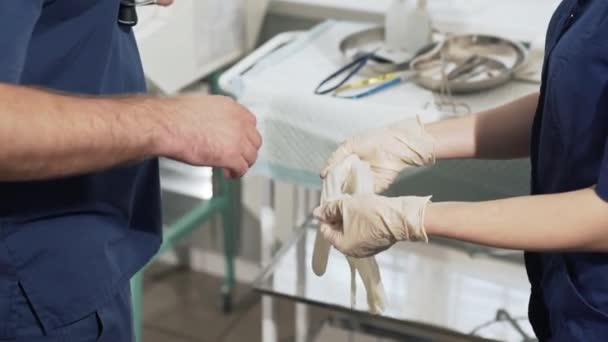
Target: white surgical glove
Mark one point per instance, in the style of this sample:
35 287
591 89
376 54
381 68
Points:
352 176
365 225
388 151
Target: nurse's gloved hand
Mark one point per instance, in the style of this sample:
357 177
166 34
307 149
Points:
388 151
365 225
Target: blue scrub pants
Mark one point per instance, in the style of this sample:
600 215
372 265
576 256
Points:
567 313
110 323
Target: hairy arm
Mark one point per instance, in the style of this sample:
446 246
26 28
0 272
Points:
500 133
47 135
576 221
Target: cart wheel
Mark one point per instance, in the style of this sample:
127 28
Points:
226 300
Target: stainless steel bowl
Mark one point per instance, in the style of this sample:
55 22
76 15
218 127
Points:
498 59
372 40
368 41
469 63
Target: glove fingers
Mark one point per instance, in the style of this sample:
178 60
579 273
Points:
335 159
333 235
330 212
385 175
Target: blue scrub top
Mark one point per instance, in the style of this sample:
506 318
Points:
569 299
72 243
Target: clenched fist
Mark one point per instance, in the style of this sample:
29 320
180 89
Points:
209 131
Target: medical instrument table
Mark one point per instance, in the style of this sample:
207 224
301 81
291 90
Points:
281 55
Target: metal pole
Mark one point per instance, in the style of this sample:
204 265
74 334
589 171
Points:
267 225
302 204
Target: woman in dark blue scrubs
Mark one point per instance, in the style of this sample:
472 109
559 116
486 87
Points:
563 226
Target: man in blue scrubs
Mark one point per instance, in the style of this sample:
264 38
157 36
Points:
79 184
564 225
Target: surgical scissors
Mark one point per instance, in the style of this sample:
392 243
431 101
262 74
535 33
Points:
445 98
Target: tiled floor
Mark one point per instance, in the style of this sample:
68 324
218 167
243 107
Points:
183 306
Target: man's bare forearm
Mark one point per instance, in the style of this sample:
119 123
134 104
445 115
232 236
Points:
500 133
573 221
47 135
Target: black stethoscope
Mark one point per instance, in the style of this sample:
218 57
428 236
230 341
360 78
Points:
127 14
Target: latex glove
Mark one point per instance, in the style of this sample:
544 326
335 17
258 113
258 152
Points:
364 225
352 176
388 151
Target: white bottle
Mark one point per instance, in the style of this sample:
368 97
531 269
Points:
408 27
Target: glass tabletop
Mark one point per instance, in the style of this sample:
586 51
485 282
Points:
437 287
184 188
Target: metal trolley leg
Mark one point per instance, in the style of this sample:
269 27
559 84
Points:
269 324
136 300
302 208
230 220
